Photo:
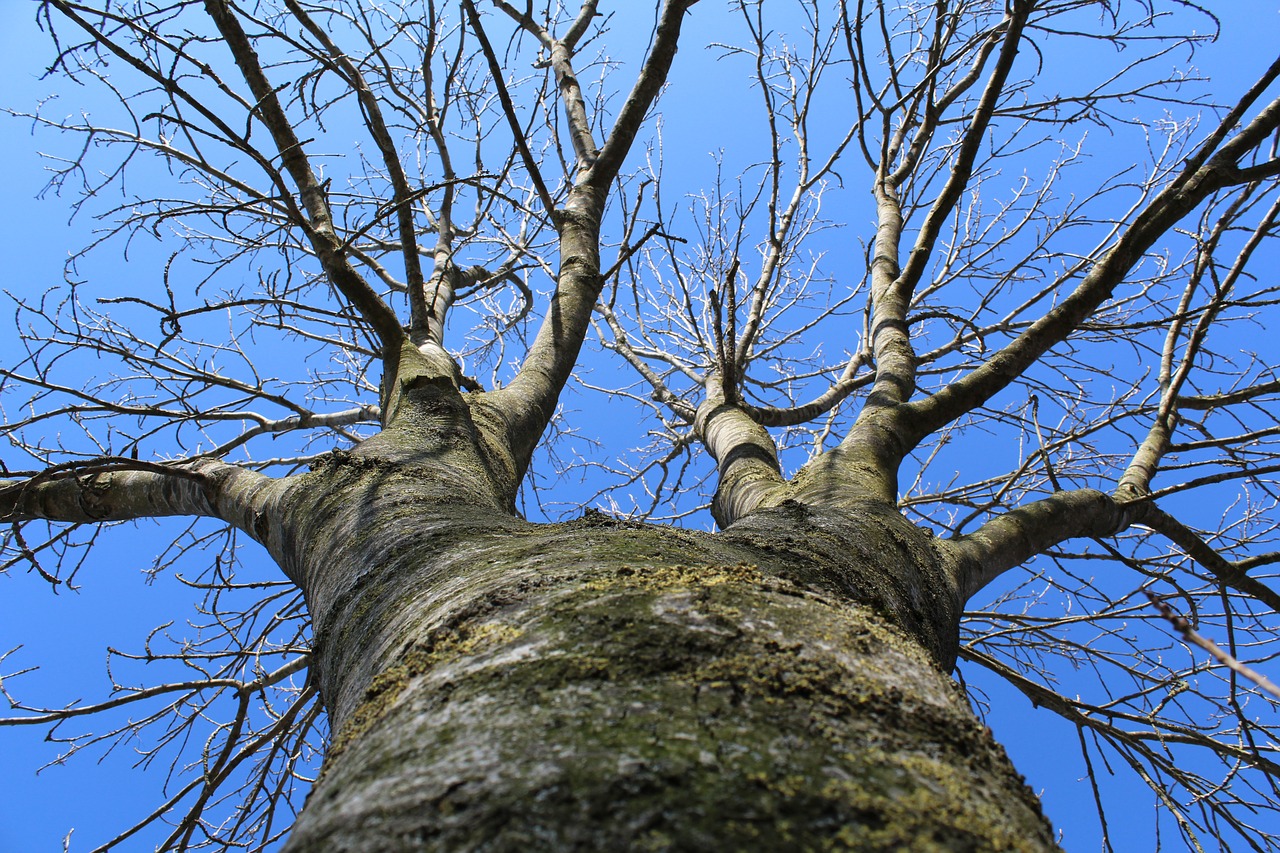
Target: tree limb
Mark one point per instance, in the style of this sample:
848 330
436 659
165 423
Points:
113 489
528 403
324 239
402 195
1175 201
745 454
1010 539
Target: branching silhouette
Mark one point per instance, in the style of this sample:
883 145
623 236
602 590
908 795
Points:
1007 266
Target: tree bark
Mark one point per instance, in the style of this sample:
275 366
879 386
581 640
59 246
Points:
599 684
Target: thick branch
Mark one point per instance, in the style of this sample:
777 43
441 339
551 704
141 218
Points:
962 169
746 457
839 391
125 489
1208 402
893 287
529 402
895 357
575 106
652 77
1146 460
1229 573
1011 539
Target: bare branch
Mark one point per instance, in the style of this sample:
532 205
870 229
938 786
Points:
1192 636
328 246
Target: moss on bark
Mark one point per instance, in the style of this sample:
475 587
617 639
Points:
496 685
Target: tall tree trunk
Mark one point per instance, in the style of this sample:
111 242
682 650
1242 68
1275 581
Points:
495 684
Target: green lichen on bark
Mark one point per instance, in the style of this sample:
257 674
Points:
496 684
670 706
388 685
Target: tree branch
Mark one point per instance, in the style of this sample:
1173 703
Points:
1227 572
1189 633
402 195
509 110
746 456
1174 202
113 489
962 168
528 403
647 86
324 240
1010 539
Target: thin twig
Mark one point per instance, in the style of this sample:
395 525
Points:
1192 636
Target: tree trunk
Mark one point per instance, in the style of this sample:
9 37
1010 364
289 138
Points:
499 685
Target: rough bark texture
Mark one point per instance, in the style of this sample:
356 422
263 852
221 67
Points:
495 684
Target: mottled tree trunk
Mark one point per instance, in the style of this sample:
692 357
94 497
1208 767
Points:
494 684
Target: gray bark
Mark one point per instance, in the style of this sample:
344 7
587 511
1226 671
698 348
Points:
495 684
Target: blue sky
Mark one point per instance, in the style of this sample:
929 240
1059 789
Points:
67 634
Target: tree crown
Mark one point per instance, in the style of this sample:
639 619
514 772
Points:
1000 265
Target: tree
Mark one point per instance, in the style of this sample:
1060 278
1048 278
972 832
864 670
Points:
381 235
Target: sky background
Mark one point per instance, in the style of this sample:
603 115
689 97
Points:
67 634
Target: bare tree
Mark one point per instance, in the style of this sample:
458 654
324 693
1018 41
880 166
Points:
958 339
